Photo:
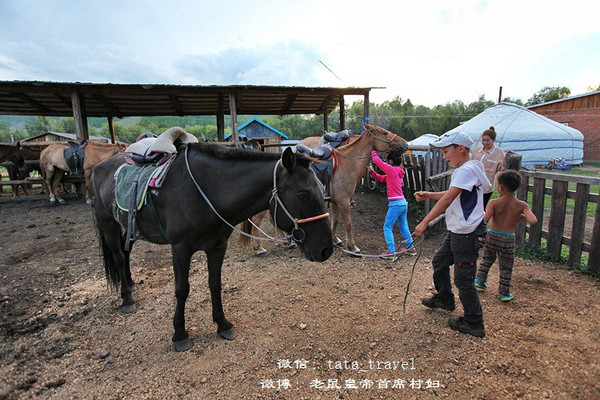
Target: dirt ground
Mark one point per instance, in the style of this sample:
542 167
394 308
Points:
331 330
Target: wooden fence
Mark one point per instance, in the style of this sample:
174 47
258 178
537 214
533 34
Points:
556 186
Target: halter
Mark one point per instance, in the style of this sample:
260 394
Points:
274 195
297 230
390 142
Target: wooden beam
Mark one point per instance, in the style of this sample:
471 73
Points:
325 122
79 115
325 103
220 119
176 104
233 113
42 108
289 102
111 109
342 113
111 129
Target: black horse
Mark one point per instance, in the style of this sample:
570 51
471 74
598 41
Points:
206 179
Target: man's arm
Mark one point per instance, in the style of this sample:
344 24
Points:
444 201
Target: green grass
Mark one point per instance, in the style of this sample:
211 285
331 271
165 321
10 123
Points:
541 254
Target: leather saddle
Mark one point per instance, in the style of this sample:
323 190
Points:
73 154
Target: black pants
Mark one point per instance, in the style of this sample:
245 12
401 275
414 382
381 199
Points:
462 251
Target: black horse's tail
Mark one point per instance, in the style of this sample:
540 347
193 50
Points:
111 271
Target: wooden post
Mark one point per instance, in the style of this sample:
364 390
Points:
556 224
594 255
111 130
537 207
233 113
220 119
325 122
577 232
342 113
79 116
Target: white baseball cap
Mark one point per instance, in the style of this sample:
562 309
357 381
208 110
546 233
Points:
450 138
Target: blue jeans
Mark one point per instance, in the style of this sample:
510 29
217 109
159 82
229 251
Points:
462 251
397 211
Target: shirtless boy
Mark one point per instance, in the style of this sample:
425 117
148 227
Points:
505 212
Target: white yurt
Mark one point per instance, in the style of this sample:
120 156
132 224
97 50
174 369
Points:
536 138
422 142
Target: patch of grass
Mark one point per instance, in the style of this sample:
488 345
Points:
541 254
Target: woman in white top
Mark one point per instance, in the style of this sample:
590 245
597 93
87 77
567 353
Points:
492 158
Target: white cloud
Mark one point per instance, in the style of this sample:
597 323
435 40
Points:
431 52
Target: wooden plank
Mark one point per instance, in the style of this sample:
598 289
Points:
521 227
563 177
578 229
556 225
594 255
537 207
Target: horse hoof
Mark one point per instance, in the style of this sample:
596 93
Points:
261 253
292 245
61 201
183 345
337 241
128 309
356 252
229 334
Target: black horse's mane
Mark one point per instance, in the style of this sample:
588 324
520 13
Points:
237 153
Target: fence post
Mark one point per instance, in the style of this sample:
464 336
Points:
556 224
513 161
537 207
578 229
594 255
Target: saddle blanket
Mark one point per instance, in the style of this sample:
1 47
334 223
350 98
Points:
147 176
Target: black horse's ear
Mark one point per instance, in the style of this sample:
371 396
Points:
288 159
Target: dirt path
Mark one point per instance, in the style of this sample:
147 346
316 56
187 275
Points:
306 330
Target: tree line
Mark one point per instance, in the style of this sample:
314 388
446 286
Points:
397 115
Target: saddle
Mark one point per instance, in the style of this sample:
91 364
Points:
152 149
335 139
147 163
73 154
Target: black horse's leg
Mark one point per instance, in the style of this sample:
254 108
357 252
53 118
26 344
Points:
215 258
181 268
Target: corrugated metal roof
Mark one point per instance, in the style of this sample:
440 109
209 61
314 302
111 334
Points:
122 100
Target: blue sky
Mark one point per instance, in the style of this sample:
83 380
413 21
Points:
431 52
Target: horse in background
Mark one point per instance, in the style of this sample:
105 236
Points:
54 165
17 169
352 163
206 192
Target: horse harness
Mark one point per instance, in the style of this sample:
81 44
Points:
297 233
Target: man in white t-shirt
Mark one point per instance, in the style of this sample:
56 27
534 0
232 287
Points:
463 204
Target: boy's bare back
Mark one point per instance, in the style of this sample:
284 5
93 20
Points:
505 212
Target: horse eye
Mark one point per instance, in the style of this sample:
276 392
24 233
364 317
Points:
302 195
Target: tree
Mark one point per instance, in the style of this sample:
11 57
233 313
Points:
514 101
549 93
40 125
592 89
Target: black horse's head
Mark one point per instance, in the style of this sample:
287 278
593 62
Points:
298 207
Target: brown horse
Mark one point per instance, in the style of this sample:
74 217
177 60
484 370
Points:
12 156
352 163
54 165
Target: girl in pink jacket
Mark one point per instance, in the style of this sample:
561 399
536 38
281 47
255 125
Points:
397 204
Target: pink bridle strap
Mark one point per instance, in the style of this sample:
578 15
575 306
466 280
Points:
315 218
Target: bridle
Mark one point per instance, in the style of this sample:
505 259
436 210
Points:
390 142
298 233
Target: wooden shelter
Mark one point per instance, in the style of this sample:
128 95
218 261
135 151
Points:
83 100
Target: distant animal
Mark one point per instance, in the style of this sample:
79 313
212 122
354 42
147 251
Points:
251 227
352 163
13 157
207 190
54 165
